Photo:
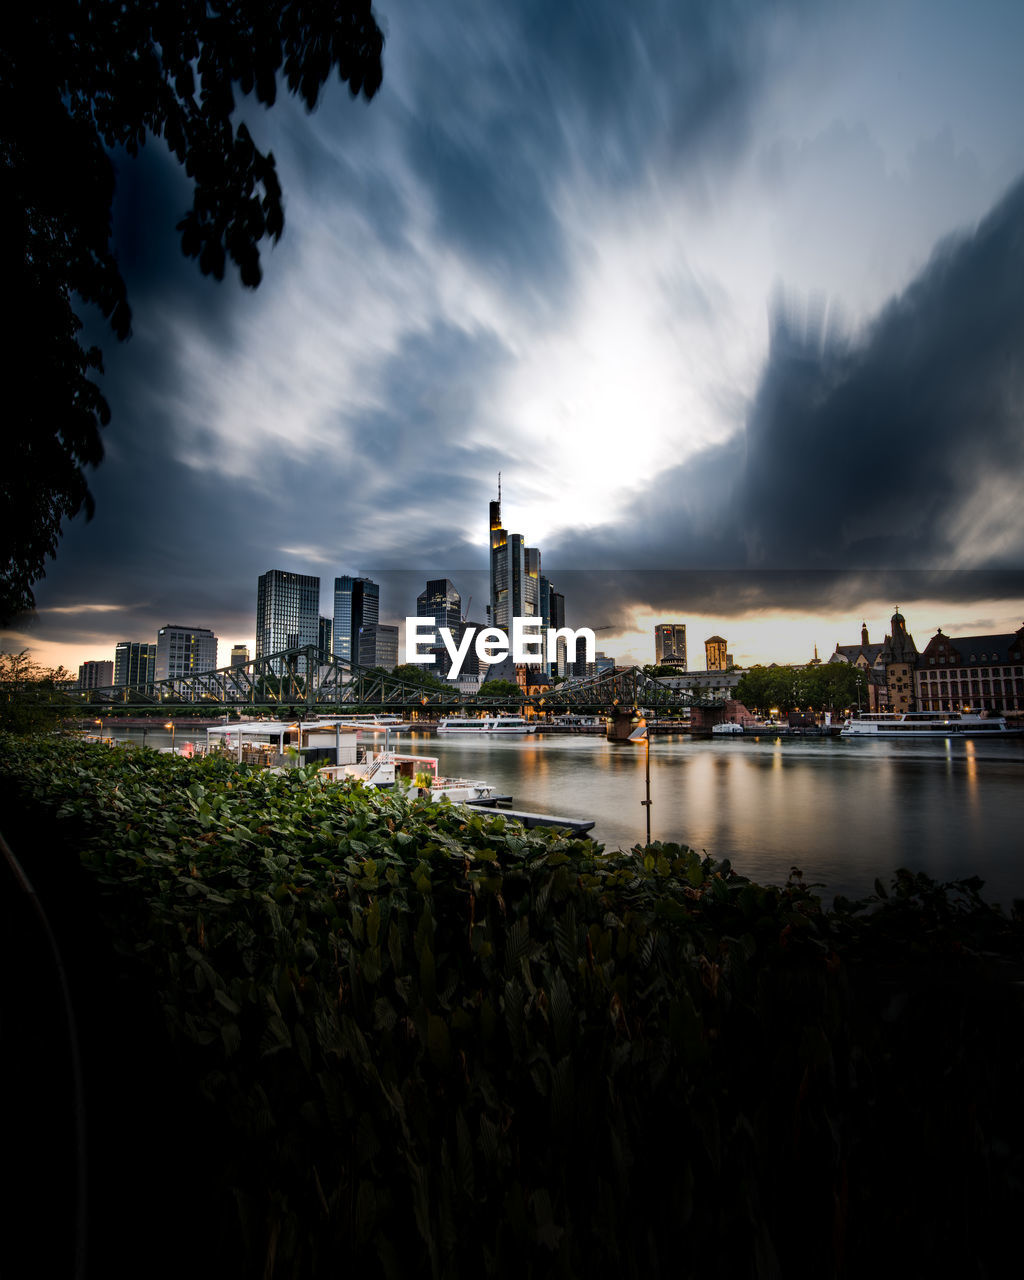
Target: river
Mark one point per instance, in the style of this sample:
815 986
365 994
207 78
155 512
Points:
843 811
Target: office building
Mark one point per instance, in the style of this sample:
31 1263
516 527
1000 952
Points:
184 651
558 662
134 663
670 644
356 605
715 655
378 646
515 573
239 655
287 611
95 675
441 602
326 631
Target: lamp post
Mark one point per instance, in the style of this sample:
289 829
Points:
170 725
642 733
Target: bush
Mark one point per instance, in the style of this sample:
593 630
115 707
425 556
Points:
424 1041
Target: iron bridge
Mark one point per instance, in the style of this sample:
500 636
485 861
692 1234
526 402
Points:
308 678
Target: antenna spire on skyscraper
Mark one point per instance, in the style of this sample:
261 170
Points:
499 486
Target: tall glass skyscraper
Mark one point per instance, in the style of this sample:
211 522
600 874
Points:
441 601
287 611
356 605
515 573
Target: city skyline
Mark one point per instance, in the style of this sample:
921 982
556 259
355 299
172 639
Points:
715 291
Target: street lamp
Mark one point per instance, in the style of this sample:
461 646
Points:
170 725
641 733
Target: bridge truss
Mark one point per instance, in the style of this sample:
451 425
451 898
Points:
310 679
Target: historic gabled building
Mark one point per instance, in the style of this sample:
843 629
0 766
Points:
899 660
890 665
983 673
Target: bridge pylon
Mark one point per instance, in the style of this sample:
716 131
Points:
620 724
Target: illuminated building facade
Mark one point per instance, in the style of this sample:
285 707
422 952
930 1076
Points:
134 663
515 573
980 673
184 651
715 654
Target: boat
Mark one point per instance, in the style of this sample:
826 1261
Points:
384 768
482 724
727 729
921 724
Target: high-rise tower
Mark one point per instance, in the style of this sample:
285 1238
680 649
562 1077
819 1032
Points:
287 611
356 605
515 573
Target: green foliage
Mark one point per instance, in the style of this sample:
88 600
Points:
25 693
414 673
832 686
828 686
763 689
76 82
499 690
435 1044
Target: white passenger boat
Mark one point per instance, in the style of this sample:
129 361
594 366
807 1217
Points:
926 724
483 724
384 768
727 729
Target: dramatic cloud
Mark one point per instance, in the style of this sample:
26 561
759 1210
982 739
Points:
893 452
548 248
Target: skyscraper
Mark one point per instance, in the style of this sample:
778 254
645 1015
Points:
134 663
378 645
287 611
558 661
440 601
239 655
515 573
326 633
670 644
356 604
184 651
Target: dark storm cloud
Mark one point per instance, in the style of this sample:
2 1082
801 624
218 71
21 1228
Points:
177 541
893 451
504 115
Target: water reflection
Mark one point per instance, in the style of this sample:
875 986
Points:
844 812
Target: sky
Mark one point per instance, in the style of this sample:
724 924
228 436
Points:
731 294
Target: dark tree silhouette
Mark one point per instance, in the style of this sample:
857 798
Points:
78 80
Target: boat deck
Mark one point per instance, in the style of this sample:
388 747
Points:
577 826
